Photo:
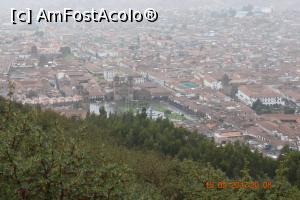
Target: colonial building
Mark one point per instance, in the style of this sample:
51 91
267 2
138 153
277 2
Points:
249 94
227 137
109 75
123 89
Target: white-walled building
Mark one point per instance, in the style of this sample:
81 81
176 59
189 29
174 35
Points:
215 85
249 94
138 80
212 83
109 75
153 114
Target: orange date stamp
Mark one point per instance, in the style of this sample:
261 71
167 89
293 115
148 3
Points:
238 185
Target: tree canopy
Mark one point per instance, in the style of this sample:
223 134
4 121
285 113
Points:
44 155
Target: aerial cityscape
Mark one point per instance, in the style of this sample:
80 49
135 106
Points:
231 74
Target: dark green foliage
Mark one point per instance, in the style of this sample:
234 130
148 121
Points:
260 108
103 112
38 161
168 112
289 110
162 136
65 50
46 156
291 161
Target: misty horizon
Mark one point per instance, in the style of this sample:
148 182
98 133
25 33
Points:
158 4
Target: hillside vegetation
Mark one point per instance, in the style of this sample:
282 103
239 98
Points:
47 156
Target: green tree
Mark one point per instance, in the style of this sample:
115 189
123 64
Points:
102 111
281 188
39 165
65 51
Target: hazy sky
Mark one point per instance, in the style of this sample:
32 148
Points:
6 4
